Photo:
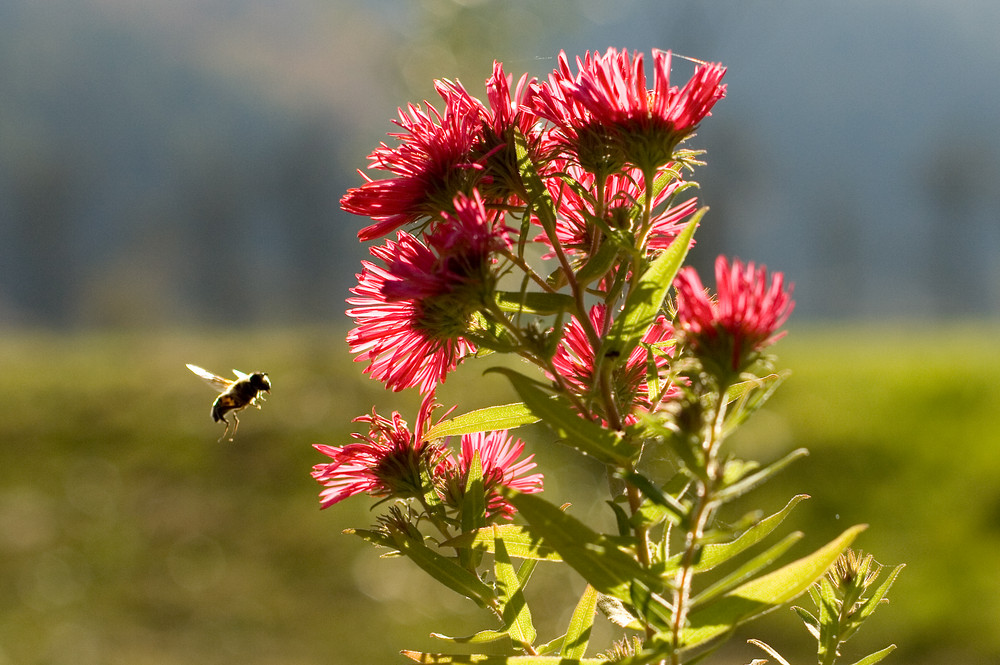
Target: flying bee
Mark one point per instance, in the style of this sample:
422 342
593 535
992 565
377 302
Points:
234 396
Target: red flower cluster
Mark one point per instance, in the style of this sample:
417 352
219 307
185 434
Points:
413 312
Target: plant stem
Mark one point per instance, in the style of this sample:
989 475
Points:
703 511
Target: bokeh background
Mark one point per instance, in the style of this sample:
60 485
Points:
170 173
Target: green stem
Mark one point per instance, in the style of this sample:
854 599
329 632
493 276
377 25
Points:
704 509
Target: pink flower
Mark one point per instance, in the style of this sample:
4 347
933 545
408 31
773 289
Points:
575 357
605 115
431 164
407 326
504 116
389 461
742 320
498 457
411 315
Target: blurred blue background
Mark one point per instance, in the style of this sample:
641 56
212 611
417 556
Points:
182 161
170 172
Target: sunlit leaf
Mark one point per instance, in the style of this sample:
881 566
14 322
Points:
584 435
521 543
764 593
534 302
481 659
646 299
515 612
877 656
447 571
759 477
482 637
607 568
746 570
490 419
714 554
578 632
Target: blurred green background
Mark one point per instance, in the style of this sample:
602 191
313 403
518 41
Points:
129 535
170 172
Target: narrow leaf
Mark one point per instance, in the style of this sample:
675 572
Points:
578 632
481 659
747 570
492 418
879 594
717 553
482 637
607 568
521 543
764 593
534 302
751 395
877 656
515 612
644 302
586 436
754 480
674 509
474 498
447 572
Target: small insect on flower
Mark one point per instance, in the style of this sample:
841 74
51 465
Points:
234 395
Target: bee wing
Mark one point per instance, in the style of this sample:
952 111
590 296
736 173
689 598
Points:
240 375
217 382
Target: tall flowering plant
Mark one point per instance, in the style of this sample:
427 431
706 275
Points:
551 222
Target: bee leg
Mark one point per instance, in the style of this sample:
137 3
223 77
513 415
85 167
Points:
236 423
226 431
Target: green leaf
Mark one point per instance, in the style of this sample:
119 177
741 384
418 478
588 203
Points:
492 418
578 632
607 568
521 543
764 593
515 612
586 436
474 498
747 570
482 637
447 572
750 396
652 607
644 302
373 537
481 659
599 263
539 199
534 302
754 480
879 594
877 656
673 508
717 553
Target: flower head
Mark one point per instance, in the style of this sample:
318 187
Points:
575 361
743 319
502 119
432 163
408 327
412 313
498 458
388 461
605 116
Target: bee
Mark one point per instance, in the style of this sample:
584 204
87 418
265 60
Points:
235 395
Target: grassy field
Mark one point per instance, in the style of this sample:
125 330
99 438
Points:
129 535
